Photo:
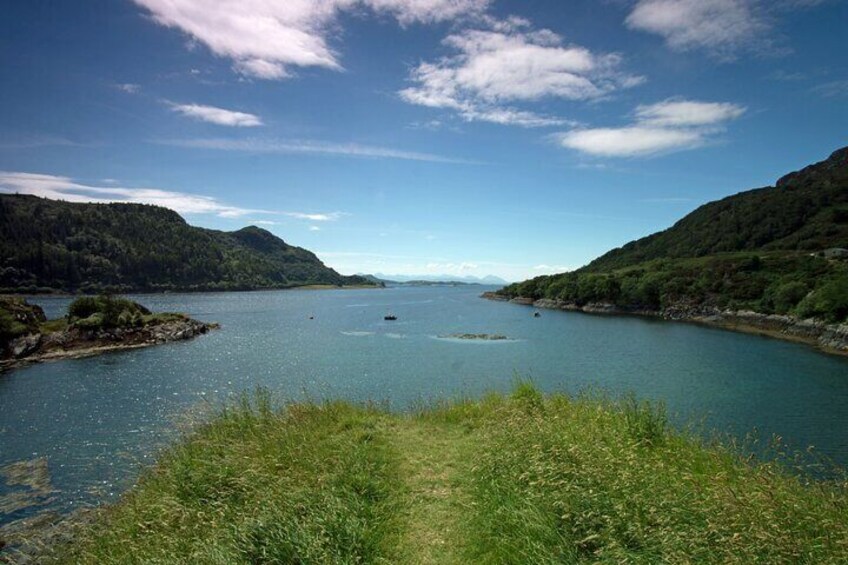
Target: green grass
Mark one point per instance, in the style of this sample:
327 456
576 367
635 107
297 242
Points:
57 325
523 478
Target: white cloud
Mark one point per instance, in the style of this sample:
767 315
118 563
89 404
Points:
463 268
511 63
832 89
215 115
331 217
265 38
311 147
65 188
628 141
720 26
671 125
38 140
551 269
682 113
512 116
128 87
314 228
428 11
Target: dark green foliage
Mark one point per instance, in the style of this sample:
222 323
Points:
104 311
805 211
759 250
54 245
17 318
828 301
771 284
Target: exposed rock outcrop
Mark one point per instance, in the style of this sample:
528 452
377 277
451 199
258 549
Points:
831 338
76 342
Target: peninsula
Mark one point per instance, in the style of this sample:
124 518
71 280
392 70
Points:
93 325
772 261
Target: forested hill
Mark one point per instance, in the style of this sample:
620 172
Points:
775 250
805 211
55 245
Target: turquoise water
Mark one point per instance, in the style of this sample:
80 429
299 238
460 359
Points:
98 419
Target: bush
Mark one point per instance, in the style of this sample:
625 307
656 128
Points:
829 301
105 312
83 307
788 295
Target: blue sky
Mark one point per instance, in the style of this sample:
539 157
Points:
466 137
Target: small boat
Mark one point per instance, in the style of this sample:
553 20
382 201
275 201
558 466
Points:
537 314
390 317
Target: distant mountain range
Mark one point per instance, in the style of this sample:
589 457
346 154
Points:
487 280
50 245
774 250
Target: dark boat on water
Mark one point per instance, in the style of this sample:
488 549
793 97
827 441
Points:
390 317
537 314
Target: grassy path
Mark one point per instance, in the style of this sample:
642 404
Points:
434 461
504 480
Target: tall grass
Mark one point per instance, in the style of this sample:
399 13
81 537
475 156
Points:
536 479
583 480
306 483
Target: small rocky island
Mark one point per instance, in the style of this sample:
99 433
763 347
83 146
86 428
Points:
476 337
93 325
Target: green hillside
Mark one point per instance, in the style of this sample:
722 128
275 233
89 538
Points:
805 211
761 250
61 246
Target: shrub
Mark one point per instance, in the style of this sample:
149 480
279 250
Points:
829 301
788 295
106 311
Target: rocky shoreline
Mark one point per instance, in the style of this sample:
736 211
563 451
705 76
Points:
829 338
73 342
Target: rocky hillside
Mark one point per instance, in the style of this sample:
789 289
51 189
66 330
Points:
61 246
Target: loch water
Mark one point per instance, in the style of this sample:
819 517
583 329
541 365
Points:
98 420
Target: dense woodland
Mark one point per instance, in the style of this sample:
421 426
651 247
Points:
48 245
762 250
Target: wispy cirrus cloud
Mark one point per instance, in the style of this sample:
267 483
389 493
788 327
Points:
509 63
128 87
832 89
30 141
266 38
330 217
215 115
311 147
671 125
64 188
